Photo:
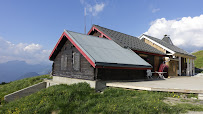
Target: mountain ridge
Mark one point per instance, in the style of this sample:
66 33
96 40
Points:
12 70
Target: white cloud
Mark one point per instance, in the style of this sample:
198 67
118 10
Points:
31 53
186 32
32 48
92 9
82 1
155 10
98 8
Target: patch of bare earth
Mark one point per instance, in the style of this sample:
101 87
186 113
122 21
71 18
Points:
55 112
173 101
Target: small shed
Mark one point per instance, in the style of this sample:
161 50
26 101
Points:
88 57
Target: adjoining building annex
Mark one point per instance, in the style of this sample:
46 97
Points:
180 62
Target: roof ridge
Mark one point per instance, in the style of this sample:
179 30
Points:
128 40
85 34
159 39
164 41
170 45
117 31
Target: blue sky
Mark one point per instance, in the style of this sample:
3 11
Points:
34 26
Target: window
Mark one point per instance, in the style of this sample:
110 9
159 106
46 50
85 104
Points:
64 62
76 61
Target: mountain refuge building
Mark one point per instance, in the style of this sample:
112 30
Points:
104 54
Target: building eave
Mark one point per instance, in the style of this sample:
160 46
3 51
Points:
169 50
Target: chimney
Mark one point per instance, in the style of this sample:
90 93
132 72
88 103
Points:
167 39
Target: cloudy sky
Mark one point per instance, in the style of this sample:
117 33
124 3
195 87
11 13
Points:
30 29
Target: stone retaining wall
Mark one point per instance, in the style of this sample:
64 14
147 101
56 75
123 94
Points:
25 92
97 85
200 96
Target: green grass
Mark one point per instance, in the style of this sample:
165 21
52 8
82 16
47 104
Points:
19 84
199 59
80 98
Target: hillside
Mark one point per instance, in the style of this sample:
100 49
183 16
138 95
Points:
19 84
199 59
80 98
28 75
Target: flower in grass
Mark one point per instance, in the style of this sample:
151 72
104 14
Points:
9 112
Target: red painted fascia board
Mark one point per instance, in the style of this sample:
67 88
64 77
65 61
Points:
80 50
94 28
148 53
77 47
110 67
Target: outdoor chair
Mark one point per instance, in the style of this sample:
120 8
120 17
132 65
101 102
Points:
149 74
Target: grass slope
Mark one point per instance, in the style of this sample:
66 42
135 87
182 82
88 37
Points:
19 84
199 59
80 98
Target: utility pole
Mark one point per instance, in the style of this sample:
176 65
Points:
85 20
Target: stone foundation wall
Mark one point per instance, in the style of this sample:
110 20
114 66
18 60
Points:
25 92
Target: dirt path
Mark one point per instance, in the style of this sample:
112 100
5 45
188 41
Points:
174 101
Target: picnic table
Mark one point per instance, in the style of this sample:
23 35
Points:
161 74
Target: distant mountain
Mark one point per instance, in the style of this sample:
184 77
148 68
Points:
28 75
13 70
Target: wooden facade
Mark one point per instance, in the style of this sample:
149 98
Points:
69 62
120 74
154 60
65 65
154 45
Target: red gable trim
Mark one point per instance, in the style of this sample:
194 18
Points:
64 34
102 34
107 67
148 53
56 45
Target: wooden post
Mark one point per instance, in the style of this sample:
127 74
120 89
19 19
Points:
95 74
190 67
179 66
193 66
187 72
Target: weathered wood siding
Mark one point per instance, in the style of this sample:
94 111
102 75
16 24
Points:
120 74
153 60
173 67
63 64
155 46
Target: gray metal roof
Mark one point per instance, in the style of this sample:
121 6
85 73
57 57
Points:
125 40
169 46
167 39
106 52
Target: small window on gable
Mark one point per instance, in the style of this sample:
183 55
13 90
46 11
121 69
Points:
64 62
76 61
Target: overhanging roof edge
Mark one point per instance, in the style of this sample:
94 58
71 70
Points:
121 65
